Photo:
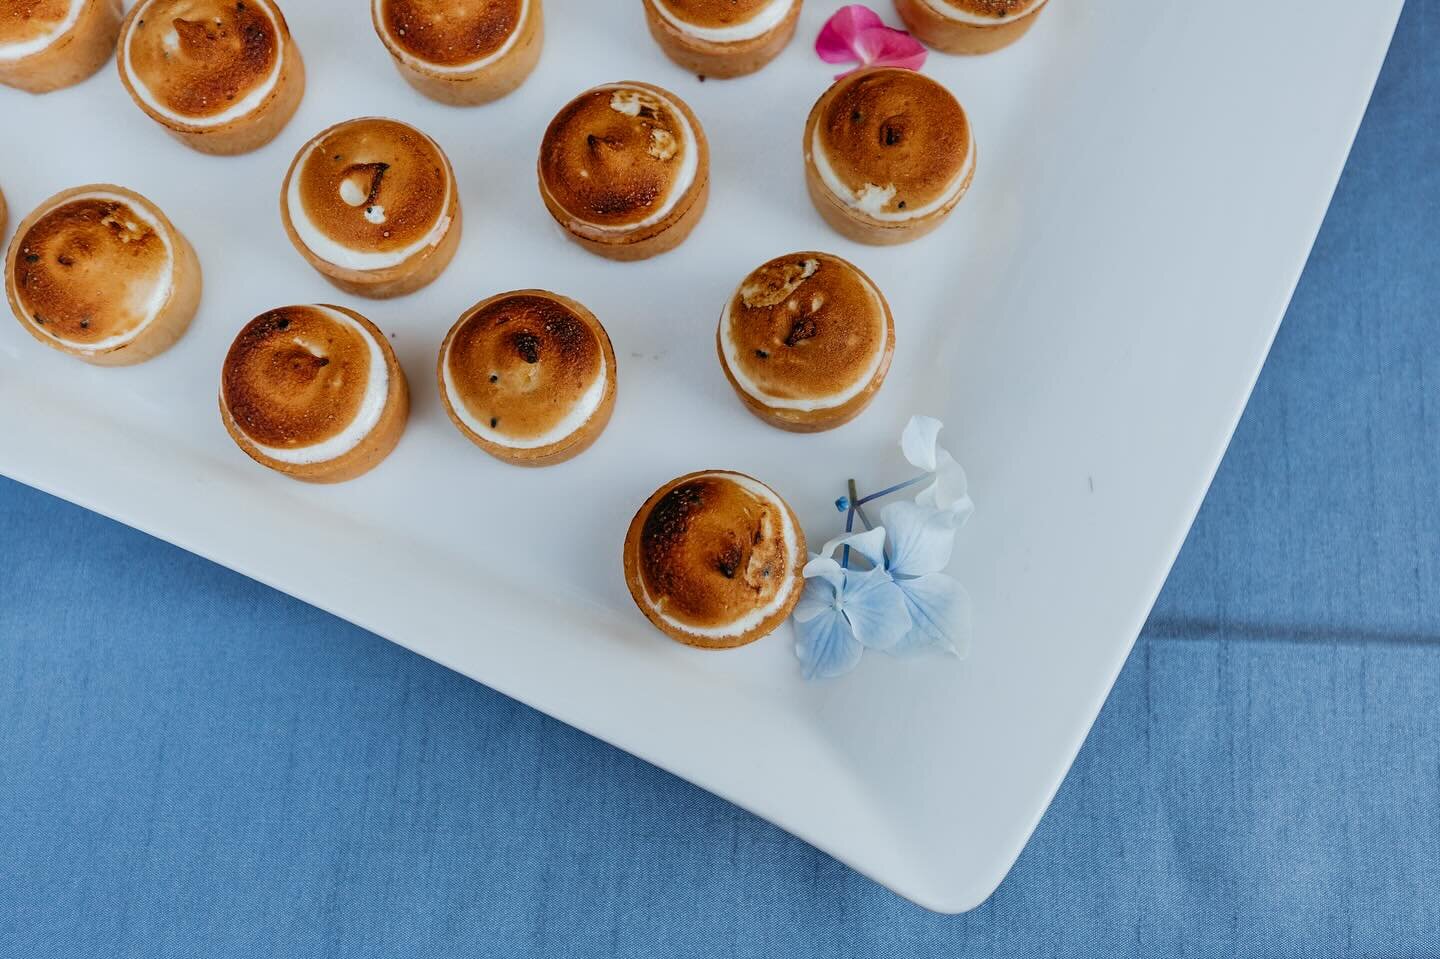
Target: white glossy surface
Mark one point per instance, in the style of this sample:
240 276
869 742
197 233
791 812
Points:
1088 323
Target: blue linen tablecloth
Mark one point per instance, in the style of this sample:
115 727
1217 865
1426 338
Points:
193 764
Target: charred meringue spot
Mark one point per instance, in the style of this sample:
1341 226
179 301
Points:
373 185
94 270
450 33
525 364
714 14
895 138
804 328
200 58
296 377
26 21
712 551
618 157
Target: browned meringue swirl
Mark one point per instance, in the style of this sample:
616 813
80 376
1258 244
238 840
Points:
450 33
295 376
712 551
614 155
999 9
713 14
523 362
806 325
198 58
92 270
373 184
895 127
22 20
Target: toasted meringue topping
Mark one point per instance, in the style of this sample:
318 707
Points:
458 35
203 62
94 271
305 384
525 370
369 194
724 21
619 157
893 144
984 12
717 555
804 332
29 26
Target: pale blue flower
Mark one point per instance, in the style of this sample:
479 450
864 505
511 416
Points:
939 607
843 611
949 488
903 601
824 641
921 540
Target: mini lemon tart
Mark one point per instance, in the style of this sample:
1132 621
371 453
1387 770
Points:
625 170
314 392
221 76
888 155
806 341
49 44
529 377
969 26
722 38
372 204
462 53
100 273
714 559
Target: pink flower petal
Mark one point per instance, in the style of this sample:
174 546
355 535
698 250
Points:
884 47
856 34
836 42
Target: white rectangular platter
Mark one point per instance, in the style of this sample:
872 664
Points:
1089 325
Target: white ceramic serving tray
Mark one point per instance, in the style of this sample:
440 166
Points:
1088 324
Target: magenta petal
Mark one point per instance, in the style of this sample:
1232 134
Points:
884 47
836 42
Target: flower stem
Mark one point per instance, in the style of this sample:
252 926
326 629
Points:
886 492
849 526
857 509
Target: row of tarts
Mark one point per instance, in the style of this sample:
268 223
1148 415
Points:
170 52
315 392
624 168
